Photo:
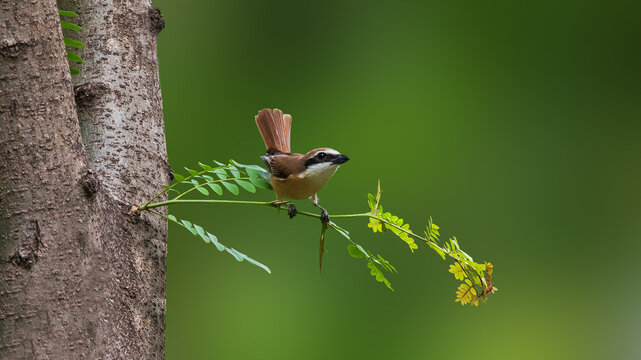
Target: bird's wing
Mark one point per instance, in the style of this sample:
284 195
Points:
275 128
283 165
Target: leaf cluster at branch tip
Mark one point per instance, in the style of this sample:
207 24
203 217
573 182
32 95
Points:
476 278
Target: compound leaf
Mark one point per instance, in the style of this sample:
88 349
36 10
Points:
231 187
246 185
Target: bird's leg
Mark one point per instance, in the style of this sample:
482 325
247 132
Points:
324 215
292 210
291 207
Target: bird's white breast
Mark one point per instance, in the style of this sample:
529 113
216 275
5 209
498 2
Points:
319 173
305 184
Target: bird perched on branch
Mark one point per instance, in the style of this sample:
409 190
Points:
294 176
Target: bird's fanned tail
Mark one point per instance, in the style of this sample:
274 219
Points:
275 128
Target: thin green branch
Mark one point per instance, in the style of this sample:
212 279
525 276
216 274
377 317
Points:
205 201
271 204
148 207
304 213
241 202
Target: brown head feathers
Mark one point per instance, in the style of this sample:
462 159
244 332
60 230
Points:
282 165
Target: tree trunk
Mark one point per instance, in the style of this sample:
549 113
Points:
80 277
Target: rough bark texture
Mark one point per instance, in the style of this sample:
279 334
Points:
118 95
79 276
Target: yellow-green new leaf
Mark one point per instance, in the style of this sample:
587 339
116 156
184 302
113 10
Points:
466 294
458 271
437 249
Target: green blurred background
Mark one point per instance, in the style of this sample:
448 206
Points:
516 126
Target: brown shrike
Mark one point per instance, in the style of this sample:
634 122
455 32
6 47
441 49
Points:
294 176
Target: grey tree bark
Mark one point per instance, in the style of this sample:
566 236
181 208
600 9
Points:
80 277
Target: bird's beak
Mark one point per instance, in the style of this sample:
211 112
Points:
340 159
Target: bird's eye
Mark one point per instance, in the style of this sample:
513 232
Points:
321 155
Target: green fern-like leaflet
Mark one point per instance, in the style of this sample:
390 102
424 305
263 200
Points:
231 177
70 43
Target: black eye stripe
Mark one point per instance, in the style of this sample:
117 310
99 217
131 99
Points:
319 158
